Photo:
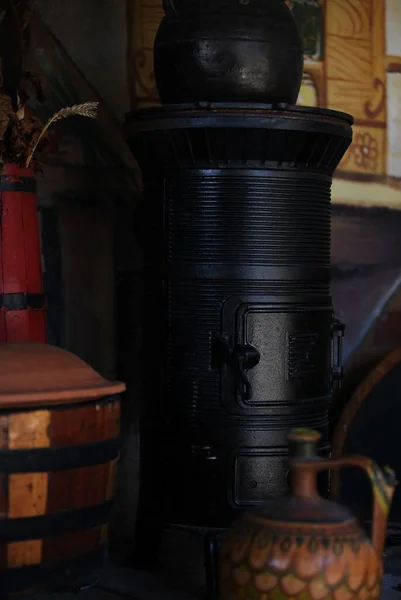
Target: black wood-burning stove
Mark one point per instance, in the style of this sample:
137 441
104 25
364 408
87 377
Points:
240 339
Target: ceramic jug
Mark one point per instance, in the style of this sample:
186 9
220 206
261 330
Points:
228 51
306 547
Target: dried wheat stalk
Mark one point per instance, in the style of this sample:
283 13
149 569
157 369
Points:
87 109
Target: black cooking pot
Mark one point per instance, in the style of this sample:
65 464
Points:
228 51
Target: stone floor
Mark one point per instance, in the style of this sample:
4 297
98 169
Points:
182 577
119 583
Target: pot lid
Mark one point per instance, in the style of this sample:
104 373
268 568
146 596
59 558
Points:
34 374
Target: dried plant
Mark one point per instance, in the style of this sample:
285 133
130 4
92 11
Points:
22 135
87 109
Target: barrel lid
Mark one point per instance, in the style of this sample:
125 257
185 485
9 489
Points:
34 374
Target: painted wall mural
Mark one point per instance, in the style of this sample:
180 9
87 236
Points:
352 64
353 60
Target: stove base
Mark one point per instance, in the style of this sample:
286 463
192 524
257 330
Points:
148 550
212 545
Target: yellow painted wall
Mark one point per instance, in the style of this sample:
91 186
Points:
360 73
144 17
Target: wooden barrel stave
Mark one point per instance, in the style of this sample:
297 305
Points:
57 500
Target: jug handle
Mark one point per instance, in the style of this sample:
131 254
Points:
383 483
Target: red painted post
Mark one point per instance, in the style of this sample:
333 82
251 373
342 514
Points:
22 302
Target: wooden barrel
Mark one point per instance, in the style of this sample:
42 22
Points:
59 442
22 301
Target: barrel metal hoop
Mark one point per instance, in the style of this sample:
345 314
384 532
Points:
48 576
11 183
52 525
39 460
22 301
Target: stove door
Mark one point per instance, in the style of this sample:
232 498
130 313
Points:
275 357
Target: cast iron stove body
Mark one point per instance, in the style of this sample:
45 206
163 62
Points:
240 339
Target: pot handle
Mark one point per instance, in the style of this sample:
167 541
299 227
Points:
170 9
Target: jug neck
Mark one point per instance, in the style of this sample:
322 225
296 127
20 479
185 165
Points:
302 449
303 481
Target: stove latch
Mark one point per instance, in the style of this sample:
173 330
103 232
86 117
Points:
337 369
240 358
